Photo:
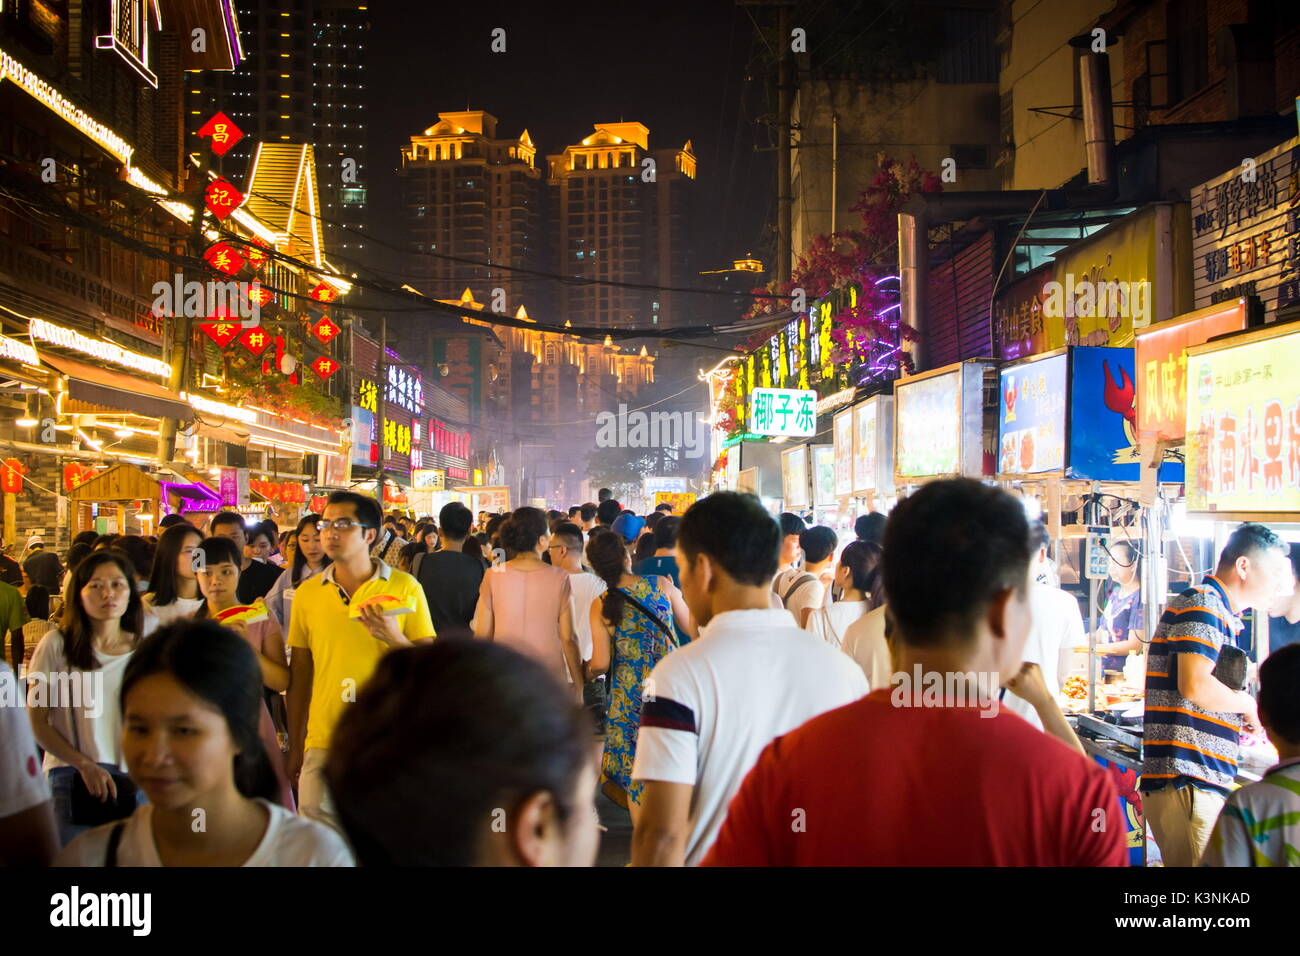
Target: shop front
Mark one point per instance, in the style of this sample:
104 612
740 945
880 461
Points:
940 421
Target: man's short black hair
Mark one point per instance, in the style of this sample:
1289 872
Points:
569 535
454 519
1039 537
573 510
169 520
736 532
1247 541
652 519
608 510
664 507
949 550
226 517
1279 692
604 495
870 527
367 508
818 543
587 511
791 523
667 530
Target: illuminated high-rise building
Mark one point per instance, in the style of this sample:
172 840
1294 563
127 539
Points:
470 195
622 213
303 81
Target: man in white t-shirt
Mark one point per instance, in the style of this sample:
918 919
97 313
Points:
28 836
584 587
1057 627
788 570
808 591
710 708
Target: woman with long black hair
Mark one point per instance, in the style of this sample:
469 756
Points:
309 559
631 631
173 588
73 682
190 710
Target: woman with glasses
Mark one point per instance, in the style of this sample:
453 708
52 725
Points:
74 680
524 602
173 589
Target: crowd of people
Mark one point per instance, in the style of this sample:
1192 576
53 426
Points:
366 688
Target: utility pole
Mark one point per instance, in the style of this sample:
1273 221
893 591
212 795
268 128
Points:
784 201
380 392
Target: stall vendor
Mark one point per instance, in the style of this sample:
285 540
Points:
1122 616
1284 613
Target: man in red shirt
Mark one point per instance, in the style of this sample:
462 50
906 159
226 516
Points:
930 772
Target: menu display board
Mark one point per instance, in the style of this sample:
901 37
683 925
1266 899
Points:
1243 425
823 466
1162 366
842 436
794 477
929 426
1031 416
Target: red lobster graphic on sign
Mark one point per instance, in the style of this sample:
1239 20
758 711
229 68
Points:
1121 398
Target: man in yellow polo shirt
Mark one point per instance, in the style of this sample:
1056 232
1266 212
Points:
333 655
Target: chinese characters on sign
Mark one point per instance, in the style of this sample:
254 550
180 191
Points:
223 131
1245 229
368 395
404 389
1243 426
224 259
783 411
223 198
1162 366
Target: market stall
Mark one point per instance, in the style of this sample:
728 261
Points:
124 499
939 423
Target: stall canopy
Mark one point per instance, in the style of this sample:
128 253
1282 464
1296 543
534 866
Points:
103 390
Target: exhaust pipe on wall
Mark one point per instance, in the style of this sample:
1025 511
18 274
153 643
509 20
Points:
1098 118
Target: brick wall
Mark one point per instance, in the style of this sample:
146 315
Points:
36 508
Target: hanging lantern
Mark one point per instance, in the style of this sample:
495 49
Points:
223 131
224 259
222 198
223 333
324 330
324 366
255 340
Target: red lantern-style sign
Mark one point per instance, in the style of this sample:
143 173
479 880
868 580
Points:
325 330
11 476
223 131
256 253
255 340
224 259
223 333
324 293
222 198
260 294
324 366
75 475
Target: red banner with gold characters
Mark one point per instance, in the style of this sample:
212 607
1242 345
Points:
287 491
223 131
76 474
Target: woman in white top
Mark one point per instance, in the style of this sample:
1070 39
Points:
73 681
305 555
856 573
191 706
174 590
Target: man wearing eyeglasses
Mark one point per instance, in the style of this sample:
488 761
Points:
333 654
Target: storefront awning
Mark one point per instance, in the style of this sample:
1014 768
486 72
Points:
116 391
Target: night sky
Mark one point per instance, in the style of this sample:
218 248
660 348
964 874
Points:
678 67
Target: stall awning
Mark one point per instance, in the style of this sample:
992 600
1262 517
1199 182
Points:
116 391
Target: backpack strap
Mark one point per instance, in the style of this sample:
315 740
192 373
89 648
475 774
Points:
800 582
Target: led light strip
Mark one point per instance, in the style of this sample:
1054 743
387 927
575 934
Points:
98 348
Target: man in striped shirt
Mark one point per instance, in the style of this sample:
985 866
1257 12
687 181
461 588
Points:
1193 720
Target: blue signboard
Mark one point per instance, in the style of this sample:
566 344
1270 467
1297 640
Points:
1031 419
1103 417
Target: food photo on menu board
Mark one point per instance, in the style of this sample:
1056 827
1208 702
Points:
929 423
1032 419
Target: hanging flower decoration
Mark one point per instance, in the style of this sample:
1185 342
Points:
868 334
